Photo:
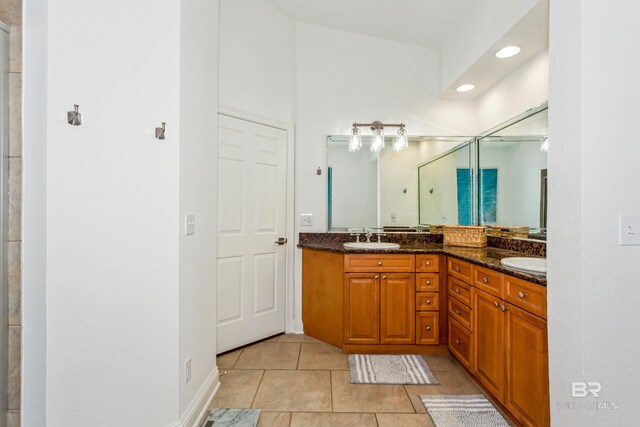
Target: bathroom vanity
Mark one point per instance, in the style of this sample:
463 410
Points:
430 299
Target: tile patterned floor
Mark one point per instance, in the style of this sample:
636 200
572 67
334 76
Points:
299 381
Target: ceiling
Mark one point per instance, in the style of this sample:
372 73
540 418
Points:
421 22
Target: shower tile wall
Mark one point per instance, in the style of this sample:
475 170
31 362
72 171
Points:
11 14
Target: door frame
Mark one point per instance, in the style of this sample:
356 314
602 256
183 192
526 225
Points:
290 232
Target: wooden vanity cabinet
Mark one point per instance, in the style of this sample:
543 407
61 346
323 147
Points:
397 308
361 308
490 342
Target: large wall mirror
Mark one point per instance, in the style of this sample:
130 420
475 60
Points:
499 178
377 190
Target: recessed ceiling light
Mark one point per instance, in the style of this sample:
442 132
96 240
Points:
465 87
508 52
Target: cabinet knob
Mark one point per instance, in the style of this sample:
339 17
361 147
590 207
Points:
485 280
384 277
376 277
428 328
428 263
458 341
457 311
456 290
522 294
428 282
495 304
428 301
379 263
503 308
457 269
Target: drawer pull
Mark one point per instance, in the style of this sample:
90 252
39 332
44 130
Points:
428 328
522 294
485 280
428 282
457 269
457 311
428 263
456 290
495 304
379 263
376 277
503 308
428 301
458 341
384 277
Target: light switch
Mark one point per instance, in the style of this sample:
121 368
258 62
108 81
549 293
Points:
189 224
306 220
629 230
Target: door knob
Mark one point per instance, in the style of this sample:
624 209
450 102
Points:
281 240
428 328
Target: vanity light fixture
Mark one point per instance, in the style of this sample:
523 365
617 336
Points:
508 52
400 141
466 87
356 141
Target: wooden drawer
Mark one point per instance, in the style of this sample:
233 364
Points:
489 281
427 263
427 301
460 290
526 295
427 282
460 269
427 330
461 313
460 343
379 262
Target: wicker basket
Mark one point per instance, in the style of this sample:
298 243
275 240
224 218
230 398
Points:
436 228
509 231
465 235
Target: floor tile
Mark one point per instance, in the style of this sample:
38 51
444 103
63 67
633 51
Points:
440 362
323 419
404 420
296 338
227 360
232 417
269 356
349 397
237 389
274 419
302 391
322 356
451 382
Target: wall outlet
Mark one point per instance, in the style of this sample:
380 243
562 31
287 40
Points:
189 224
187 371
306 220
393 217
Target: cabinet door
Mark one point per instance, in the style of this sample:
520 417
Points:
489 343
362 308
397 308
527 385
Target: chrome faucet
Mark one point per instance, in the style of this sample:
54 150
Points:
368 234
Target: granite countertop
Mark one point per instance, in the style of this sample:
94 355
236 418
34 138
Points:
485 257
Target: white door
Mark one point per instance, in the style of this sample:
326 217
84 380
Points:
251 218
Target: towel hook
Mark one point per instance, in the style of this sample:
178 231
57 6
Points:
160 131
74 118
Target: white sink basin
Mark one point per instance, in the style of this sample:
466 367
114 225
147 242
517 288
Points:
531 265
370 245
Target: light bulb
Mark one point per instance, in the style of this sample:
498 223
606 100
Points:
544 147
508 52
466 87
377 143
400 142
356 142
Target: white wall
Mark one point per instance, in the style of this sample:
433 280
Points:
198 195
521 90
126 296
257 59
593 292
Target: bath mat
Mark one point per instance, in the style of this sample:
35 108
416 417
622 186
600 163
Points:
225 417
389 369
473 410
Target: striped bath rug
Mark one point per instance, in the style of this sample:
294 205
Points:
389 369
452 410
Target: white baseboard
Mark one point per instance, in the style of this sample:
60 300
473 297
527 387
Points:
295 327
197 408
